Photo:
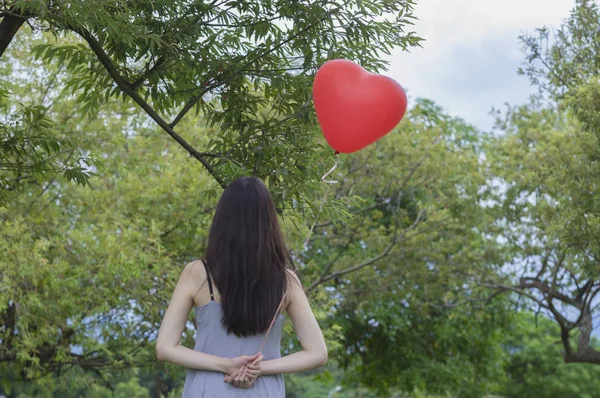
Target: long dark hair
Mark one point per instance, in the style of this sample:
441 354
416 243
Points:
247 257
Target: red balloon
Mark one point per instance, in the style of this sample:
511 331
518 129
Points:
354 107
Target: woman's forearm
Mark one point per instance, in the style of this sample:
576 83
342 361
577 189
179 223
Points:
191 359
296 362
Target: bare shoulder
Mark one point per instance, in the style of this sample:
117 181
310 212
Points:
195 266
292 279
295 290
194 273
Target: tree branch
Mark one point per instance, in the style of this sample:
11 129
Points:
585 353
190 104
130 91
544 262
138 82
534 283
332 262
10 25
354 213
242 25
519 291
372 260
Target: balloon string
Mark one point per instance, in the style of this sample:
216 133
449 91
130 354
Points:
335 165
323 201
272 322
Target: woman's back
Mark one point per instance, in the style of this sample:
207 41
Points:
212 338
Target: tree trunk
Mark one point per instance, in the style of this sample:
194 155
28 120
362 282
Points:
585 352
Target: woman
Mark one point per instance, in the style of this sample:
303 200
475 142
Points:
240 291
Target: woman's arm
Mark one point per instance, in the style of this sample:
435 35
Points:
173 324
314 350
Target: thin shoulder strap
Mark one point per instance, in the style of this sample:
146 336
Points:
273 321
208 278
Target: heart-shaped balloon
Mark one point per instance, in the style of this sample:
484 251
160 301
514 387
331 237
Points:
354 107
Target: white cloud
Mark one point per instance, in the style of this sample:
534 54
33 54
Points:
448 20
469 61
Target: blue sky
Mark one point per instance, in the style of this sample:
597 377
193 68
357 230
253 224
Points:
469 61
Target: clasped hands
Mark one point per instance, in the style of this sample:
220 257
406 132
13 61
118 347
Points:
244 370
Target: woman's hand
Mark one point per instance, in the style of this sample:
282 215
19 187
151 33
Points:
236 364
245 376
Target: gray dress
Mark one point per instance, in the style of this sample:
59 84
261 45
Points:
212 338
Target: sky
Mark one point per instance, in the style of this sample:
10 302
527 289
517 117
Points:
471 53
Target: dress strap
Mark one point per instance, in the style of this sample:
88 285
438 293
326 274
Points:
209 279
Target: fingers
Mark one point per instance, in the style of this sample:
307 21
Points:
253 366
243 378
252 358
235 380
259 359
247 373
231 377
239 376
252 372
243 382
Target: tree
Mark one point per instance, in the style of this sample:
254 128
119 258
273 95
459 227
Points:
247 66
564 66
547 215
534 368
80 267
543 190
394 273
75 383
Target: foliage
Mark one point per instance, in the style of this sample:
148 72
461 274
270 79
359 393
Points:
74 383
247 66
87 272
307 385
529 364
534 365
396 270
423 347
81 267
403 250
34 146
543 185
